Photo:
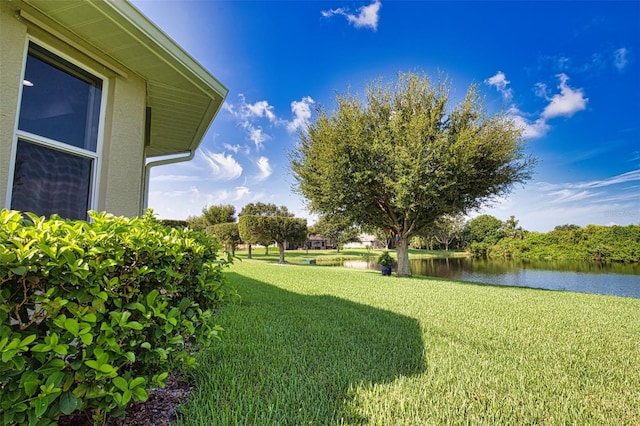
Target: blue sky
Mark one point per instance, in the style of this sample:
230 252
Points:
568 72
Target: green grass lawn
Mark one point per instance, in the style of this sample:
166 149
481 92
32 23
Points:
315 345
334 256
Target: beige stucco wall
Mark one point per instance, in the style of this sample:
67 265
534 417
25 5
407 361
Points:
123 162
119 188
12 37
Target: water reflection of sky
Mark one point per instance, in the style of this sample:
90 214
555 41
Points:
614 284
584 277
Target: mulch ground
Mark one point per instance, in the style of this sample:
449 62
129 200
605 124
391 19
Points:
159 410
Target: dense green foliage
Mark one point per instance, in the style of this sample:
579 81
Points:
174 223
227 234
481 233
335 229
212 215
593 242
315 345
284 230
405 156
219 214
251 233
446 230
93 314
250 229
385 259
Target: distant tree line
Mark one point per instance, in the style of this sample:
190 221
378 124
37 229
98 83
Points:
257 223
482 236
488 236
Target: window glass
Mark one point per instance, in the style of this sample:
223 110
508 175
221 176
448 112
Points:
59 100
48 181
57 140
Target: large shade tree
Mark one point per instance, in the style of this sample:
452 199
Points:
212 215
405 157
218 220
285 230
228 234
446 230
251 228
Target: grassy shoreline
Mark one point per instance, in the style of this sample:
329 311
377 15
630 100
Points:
329 346
333 256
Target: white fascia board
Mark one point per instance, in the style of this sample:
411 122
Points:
163 46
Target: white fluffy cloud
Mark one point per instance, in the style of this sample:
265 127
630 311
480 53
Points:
563 104
259 109
255 134
255 117
301 113
500 82
224 167
531 129
244 110
366 17
567 102
247 114
241 192
264 167
237 148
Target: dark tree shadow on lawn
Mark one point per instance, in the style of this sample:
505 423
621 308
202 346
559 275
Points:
297 359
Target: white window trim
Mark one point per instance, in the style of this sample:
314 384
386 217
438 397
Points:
53 144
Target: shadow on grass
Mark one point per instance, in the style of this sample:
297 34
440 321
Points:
292 359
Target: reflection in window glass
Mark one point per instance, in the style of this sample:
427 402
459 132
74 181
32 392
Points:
59 100
47 181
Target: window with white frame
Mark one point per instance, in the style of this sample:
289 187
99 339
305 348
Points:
57 138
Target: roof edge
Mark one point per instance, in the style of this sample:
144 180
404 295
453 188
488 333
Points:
161 40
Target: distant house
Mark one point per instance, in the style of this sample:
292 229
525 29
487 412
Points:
366 240
315 242
92 95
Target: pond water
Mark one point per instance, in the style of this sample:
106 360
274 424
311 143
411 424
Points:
585 277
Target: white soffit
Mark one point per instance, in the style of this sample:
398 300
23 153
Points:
183 96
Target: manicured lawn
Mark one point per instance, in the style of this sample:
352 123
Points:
314 345
333 256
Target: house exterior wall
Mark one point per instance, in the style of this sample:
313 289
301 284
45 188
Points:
121 154
12 39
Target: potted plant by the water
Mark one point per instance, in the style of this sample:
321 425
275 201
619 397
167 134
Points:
386 261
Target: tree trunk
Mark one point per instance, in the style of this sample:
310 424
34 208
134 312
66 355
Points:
249 254
266 250
281 249
402 252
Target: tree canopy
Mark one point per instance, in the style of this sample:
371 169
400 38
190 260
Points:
212 215
281 229
405 157
228 235
250 227
336 229
216 214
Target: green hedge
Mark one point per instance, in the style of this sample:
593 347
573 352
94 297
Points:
92 314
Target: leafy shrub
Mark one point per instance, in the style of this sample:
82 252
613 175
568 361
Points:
479 249
174 223
570 242
385 259
93 314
